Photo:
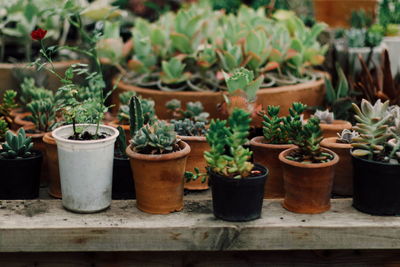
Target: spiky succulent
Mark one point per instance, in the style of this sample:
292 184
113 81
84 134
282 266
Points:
194 111
120 144
16 146
159 138
372 125
325 116
3 130
43 114
136 117
227 156
188 127
149 113
347 136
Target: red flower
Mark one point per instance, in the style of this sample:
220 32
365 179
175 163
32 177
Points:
38 34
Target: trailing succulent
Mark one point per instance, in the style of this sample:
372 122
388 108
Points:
16 146
379 138
227 156
194 111
188 127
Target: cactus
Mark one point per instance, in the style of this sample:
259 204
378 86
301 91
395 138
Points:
149 113
136 115
325 116
16 146
347 136
188 127
227 156
120 144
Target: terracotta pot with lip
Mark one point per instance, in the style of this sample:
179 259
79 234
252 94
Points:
310 93
308 187
20 120
198 145
343 181
159 179
268 156
331 130
126 127
54 188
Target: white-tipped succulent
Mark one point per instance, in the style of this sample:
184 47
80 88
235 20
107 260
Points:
325 116
347 136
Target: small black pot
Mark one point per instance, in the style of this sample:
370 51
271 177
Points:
376 187
123 186
238 200
21 177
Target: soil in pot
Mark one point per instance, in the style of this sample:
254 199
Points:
343 181
123 186
238 200
159 180
20 178
54 185
268 156
376 187
198 145
331 130
308 187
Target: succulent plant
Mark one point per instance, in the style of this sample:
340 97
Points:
194 111
372 125
16 146
347 136
3 130
136 117
174 71
120 144
30 92
43 114
7 105
149 113
188 127
159 138
325 116
227 156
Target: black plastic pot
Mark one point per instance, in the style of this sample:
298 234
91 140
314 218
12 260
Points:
238 200
20 178
123 186
376 187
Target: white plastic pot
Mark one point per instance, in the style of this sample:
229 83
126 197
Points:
393 45
86 168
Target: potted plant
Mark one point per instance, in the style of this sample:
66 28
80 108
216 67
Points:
188 50
158 160
194 111
237 185
308 169
7 106
341 145
21 167
376 159
329 126
3 130
275 139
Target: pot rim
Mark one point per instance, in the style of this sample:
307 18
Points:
336 125
330 142
257 141
185 150
67 141
115 123
39 154
334 161
258 177
49 139
372 161
192 138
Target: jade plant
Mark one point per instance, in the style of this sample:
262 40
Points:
228 156
307 137
373 125
194 111
17 146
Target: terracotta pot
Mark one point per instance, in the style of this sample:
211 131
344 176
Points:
310 93
54 188
331 130
127 128
38 144
20 121
198 145
343 181
268 156
8 81
308 187
159 180
337 13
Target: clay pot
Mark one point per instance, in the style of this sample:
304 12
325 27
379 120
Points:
343 181
308 187
268 156
159 180
38 144
54 188
337 13
331 130
8 80
198 145
127 129
310 93
20 121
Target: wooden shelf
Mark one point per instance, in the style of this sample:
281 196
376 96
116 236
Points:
45 226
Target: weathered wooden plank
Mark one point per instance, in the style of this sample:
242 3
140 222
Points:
44 226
